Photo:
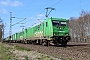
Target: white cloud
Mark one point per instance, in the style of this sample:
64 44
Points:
16 3
4 11
39 16
9 3
3 2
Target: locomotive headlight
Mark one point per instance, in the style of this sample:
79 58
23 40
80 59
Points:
54 34
60 28
67 34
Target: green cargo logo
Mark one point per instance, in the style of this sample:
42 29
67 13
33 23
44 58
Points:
38 34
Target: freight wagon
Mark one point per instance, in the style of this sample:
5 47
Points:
52 30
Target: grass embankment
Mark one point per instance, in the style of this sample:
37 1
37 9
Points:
6 52
11 52
21 48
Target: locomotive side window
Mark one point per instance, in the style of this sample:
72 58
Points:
26 30
46 24
59 23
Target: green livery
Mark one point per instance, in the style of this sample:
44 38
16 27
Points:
52 30
30 33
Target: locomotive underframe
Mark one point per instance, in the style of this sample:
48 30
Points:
61 40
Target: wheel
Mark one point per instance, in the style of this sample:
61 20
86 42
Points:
63 44
43 42
48 43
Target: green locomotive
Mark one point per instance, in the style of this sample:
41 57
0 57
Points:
52 30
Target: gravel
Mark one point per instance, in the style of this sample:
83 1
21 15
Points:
71 52
33 55
28 55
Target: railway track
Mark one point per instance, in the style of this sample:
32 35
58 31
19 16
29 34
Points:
71 51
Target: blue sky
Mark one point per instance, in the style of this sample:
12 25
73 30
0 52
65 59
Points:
35 9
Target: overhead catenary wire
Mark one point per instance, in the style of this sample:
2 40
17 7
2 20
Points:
77 8
19 22
52 5
46 5
26 7
72 9
30 4
59 2
56 3
51 8
40 8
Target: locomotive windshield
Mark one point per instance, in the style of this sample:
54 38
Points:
55 23
58 23
63 23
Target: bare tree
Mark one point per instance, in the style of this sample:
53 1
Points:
72 26
80 27
1 29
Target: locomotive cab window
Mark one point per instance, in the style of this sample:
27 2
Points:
59 23
26 30
63 23
55 23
